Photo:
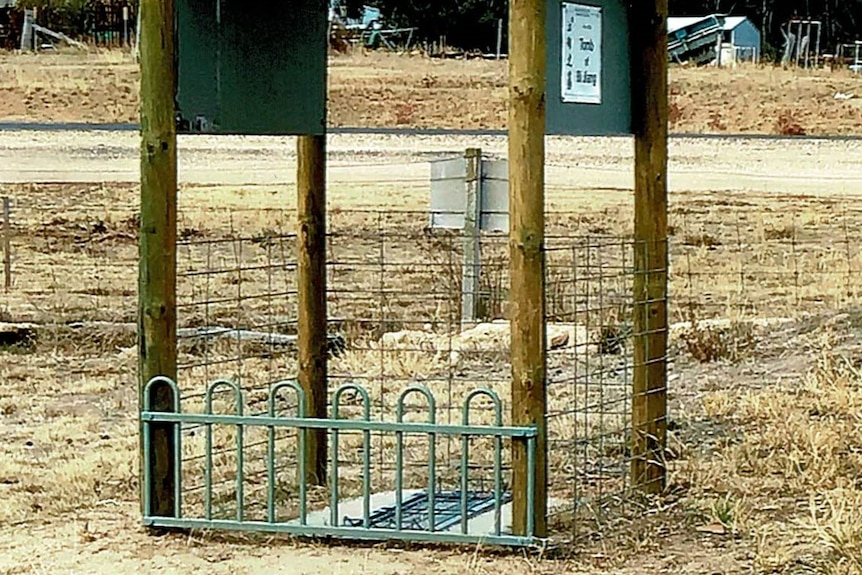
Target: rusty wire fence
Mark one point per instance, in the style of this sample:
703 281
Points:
395 303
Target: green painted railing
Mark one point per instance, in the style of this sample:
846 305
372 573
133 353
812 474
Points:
300 525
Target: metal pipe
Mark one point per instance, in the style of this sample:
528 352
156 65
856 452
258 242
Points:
366 456
399 477
303 485
146 491
399 455
465 462
178 464
344 532
240 476
379 426
270 473
531 485
432 478
270 469
208 460
333 471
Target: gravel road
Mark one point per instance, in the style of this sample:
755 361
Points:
804 166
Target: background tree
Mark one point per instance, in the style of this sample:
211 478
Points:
472 24
467 24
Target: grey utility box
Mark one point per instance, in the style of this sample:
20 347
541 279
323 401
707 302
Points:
450 191
251 67
471 195
589 91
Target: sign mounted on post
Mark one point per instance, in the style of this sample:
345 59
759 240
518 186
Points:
581 77
589 68
251 67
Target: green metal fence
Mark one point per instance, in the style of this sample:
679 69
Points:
432 514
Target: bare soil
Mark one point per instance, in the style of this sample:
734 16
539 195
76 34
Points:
766 433
374 89
764 415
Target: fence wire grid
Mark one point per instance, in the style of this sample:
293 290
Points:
395 305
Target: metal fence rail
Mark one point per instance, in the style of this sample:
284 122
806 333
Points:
457 508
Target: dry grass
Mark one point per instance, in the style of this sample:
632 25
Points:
767 435
381 89
783 472
99 87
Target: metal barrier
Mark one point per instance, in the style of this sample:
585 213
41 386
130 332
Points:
431 515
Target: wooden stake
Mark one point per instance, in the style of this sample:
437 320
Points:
7 244
650 114
472 239
499 38
157 315
311 272
527 81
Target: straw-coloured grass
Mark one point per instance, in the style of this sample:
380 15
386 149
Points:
765 428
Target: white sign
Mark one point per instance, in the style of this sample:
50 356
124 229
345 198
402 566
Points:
582 54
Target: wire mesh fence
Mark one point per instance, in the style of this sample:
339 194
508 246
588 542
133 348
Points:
395 303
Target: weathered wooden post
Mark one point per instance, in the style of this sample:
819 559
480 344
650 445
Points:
649 118
527 82
470 270
157 313
125 26
311 276
27 33
7 244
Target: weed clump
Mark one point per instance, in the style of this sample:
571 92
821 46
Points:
711 343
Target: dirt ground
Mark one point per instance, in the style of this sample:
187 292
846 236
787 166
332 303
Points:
766 433
390 90
765 415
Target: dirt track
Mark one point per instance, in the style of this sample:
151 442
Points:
700 164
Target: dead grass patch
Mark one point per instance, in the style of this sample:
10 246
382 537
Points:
381 89
709 343
786 476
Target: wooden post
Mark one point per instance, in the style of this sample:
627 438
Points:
126 26
499 38
138 33
650 114
27 33
472 237
7 244
157 314
311 273
527 81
